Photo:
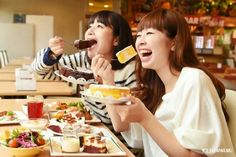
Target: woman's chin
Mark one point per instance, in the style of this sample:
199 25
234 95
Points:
90 54
145 65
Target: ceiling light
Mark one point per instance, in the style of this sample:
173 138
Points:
91 4
106 6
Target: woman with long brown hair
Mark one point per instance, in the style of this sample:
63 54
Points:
179 111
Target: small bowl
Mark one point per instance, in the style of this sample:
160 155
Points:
25 108
25 152
34 123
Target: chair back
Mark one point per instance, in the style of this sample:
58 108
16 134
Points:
230 101
3 58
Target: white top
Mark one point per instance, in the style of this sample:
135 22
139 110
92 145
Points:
192 112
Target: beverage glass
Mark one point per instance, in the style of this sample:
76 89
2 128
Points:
35 109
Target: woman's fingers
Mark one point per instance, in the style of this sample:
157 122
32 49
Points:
99 65
57 44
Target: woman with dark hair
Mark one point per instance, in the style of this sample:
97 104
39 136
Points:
178 111
112 34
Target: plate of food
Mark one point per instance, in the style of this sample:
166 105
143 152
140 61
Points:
79 129
11 117
89 145
73 112
107 94
77 76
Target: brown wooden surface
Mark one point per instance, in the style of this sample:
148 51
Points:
11 77
21 61
9 69
15 104
8 88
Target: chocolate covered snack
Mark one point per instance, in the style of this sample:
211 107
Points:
76 74
83 44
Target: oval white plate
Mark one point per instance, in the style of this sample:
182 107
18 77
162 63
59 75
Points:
71 79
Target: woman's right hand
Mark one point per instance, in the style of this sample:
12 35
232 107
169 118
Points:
56 44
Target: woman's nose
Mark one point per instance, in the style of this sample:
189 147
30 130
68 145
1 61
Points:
90 31
140 41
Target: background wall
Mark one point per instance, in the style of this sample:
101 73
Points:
17 39
66 14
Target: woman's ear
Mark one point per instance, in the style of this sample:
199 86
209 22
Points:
116 41
172 48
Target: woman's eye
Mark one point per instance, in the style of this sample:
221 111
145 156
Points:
138 35
148 33
100 26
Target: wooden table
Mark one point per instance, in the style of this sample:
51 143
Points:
21 61
8 88
15 104
11 77
9 69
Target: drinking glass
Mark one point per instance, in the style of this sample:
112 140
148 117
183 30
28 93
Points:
35 109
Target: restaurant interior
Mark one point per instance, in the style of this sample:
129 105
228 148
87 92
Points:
27 25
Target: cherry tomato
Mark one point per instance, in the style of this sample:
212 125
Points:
40 141
13 143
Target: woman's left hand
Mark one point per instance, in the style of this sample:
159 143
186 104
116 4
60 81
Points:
134 112
102 68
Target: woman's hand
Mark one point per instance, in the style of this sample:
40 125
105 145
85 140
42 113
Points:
103 69
56 44
133 112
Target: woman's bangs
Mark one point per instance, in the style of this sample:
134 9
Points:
151 21
101 18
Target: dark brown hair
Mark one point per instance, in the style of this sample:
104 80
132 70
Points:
174 26
120 29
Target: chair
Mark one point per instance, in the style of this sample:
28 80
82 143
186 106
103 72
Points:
3 58
230 101
229 84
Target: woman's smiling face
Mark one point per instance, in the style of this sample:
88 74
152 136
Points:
104 37
153 48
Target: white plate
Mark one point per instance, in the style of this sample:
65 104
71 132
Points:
94 130
18 117
108 100
71 79
93 120
113 148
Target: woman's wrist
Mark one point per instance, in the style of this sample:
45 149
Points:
147 118
52 55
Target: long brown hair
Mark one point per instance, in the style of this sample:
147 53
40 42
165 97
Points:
174 26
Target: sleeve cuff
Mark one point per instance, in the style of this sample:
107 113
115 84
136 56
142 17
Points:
196 139
48 60
133 136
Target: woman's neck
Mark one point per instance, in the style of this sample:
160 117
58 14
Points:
168 78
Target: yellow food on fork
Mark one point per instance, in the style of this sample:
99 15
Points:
126 54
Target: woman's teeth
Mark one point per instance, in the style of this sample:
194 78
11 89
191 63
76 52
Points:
146 53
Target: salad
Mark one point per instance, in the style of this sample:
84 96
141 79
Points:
72 106
17 138
7 116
